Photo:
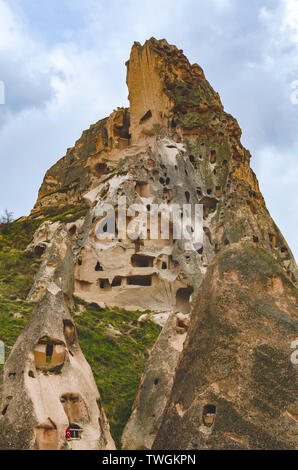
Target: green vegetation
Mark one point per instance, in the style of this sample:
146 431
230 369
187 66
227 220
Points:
230 418
14 315
17 271
122 164
184 93
159 130
58 191
193 119
66 214
111 340
17 234
250 262
17 268
188 99
104 192
120 169
117 360
54 370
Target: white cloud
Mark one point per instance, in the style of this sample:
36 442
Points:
278 175
57 88
10 28
223 4
290 19
78 92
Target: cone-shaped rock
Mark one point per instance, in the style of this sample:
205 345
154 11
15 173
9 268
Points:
49 399
236 386
174 146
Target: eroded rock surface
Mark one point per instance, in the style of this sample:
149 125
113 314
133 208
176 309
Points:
49 399
175 144
235 386
155 386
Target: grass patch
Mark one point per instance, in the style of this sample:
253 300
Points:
17 268
66 214
113 343
13 318
117 361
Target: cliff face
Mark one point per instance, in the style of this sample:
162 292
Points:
175 124
176 145
48 386
235 386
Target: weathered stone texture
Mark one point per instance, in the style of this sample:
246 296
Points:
234 386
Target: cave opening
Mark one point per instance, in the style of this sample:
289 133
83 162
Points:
73 432
117 281
209 413
74 407
183 299
143 189
104 284
69 331
272 239
49 352
218 191
142 261
100 169
209 204
145 281
98 267
146 116
39 250
213 156
72 230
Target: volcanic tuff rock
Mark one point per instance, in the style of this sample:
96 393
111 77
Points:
150 401
235 386
176 145
48 385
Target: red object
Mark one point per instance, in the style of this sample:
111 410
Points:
67 434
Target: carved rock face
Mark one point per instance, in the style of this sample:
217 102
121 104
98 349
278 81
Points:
50 386
174 145
235 385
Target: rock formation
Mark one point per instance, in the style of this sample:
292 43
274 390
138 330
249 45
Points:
175 145
49 400
235 386
155 386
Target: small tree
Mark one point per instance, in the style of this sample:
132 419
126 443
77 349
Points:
5 220
7 217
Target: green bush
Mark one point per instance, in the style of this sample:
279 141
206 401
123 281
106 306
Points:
117 360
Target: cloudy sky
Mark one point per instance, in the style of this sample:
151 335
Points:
62 62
